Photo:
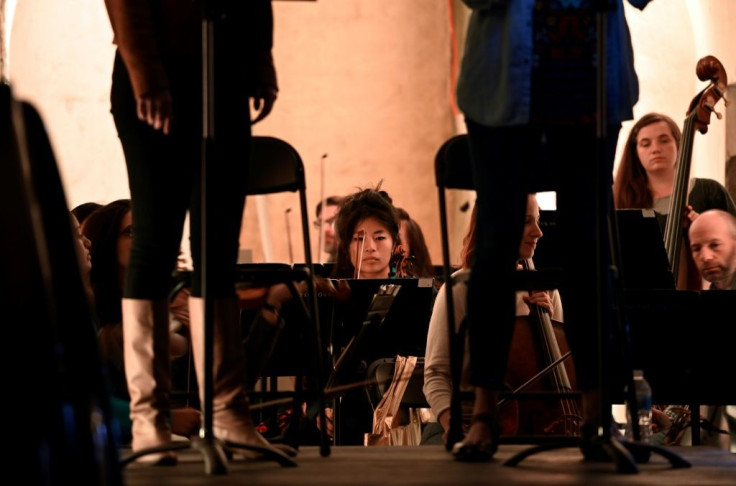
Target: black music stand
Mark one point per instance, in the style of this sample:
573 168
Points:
382 318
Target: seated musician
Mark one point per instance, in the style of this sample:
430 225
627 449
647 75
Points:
418 262
646 172
712 238
713 245
367 229
437 378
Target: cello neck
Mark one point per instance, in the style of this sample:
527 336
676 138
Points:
548 339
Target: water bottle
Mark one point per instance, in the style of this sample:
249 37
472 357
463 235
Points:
643 409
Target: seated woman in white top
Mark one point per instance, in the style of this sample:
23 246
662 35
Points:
437 378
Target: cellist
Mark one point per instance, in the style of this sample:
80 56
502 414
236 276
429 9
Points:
437 378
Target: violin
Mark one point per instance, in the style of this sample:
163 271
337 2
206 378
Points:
251 298
540 360
402 263
702 105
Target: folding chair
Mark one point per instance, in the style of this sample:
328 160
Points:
66 410
452 170
277 167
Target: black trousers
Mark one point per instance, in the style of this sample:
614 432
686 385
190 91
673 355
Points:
165 178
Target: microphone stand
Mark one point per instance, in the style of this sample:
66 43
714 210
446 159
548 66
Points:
210 447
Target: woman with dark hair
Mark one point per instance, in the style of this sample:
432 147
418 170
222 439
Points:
83 210
367 229
418 263
109 231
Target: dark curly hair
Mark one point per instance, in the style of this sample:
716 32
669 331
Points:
366 203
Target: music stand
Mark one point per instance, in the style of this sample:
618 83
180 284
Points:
371 325
643 259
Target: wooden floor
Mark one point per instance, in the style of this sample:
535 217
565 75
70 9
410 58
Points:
432 465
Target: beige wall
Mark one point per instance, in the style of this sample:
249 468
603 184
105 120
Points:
365 81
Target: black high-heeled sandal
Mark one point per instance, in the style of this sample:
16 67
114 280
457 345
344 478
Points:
593 448
482 451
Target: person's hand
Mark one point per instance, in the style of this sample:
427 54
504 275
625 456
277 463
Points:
444 420
155 109
340 292
329 418
263 101
660 421
279 294
689 216
539 298
185 421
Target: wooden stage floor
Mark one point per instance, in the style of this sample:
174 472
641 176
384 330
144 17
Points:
432 465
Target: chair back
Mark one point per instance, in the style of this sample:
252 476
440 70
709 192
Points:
275 167
452 167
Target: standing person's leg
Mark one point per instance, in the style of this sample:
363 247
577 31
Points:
224 199
498 156
158 218
583 208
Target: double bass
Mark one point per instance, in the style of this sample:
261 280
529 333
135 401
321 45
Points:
687 276
540 361
698 117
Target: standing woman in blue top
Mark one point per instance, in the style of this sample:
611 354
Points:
527 88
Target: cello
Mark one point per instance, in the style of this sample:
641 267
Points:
540 361
698 117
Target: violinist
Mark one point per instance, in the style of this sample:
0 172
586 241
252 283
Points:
413 249
646 172
437 379
367 228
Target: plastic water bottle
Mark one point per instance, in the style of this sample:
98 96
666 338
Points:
643 409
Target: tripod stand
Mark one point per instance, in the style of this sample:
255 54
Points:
609 297
214 81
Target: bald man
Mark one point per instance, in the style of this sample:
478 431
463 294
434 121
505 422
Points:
713 245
